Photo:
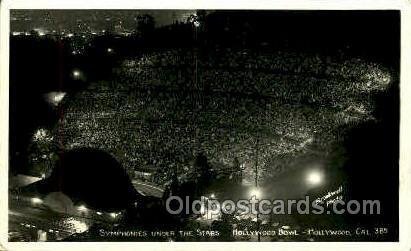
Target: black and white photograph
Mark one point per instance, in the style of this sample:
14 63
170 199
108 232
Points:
203 125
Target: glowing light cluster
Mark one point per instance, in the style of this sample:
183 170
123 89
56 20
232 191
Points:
42 135
314 178
54 98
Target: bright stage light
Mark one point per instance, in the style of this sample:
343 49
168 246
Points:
76 74
255 192
314 178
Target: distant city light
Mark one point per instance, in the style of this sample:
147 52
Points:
70 35
99 213
113 215
109 50
212 196
314 177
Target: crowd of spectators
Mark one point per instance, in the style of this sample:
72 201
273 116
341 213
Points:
161 109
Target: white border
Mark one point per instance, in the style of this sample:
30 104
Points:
405 125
